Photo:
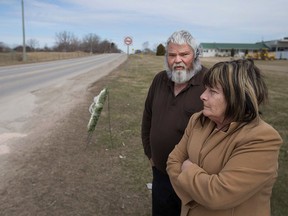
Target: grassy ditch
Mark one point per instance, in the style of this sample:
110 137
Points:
127 89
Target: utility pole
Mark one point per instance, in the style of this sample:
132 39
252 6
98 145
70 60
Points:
23 30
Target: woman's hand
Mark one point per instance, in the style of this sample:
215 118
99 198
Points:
187 163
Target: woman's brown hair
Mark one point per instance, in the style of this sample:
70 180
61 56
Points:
243 86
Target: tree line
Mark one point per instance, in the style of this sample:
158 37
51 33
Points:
91 43
67 42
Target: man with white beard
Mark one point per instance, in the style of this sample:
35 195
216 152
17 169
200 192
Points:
173 97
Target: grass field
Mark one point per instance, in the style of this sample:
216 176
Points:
127 95
128 86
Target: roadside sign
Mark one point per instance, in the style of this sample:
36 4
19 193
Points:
128 41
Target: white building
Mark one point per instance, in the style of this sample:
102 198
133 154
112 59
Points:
280 47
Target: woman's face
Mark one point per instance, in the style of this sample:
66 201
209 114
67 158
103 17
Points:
214 104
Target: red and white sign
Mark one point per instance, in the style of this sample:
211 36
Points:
128 41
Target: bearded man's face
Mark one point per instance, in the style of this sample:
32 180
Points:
180 62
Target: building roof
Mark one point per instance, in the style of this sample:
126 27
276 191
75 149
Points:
237 46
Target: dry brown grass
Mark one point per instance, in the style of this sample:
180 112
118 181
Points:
32 57
63 176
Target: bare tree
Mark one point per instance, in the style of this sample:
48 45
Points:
74 44
146 48
66 41
33 44
4 47
104 47
90 43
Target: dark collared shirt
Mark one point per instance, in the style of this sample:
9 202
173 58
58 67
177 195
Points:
165 115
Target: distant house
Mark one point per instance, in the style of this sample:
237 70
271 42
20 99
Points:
280 47
224 49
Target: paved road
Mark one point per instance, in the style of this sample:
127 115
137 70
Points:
48 87
26 78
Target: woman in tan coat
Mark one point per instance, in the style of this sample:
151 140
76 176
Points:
226 162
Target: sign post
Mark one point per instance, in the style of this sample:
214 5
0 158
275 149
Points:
128 41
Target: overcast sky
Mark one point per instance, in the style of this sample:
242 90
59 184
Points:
152 21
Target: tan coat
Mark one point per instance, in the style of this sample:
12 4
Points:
233 172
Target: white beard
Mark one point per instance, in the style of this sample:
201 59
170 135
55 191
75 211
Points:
180 76
184 75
